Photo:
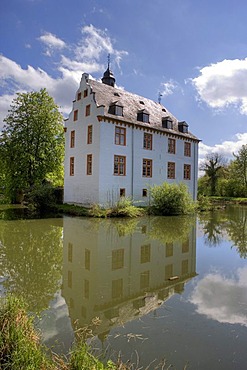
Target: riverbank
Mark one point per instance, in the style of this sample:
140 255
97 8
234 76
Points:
21 347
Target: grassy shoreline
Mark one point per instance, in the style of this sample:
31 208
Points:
21 347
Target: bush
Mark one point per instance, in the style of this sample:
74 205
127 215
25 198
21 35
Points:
171 199
125 208
41 197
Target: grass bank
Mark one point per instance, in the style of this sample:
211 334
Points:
21 348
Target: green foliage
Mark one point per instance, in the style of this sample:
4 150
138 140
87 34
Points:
20 348
213 167
41 197
125 208
97 211
203 203
171 199
31 144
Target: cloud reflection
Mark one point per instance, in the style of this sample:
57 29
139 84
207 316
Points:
221 298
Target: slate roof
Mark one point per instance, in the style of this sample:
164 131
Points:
106 95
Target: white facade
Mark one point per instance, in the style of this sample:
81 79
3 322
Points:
90 174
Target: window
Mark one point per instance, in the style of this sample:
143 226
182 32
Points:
70 252
90 134
144 280
85 93
169 249
117 259
147 168
76 115
167 122
187 149
186 246
185 267
69 279
86 288
171 146
122 192
143 116
168 271
147 141
145 253
187 171
119 165
144 192
72 166
79 96
171 170
87 259
120 135
72 139
115 109
183 127
87 111
117 288
89 164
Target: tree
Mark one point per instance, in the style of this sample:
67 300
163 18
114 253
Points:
31 144
240 167
212 167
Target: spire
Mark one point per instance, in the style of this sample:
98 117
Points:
108 77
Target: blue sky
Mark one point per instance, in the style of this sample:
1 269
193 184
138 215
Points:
193 52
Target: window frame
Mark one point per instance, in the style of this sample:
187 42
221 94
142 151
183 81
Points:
122 192
79 96
88 110
75 117
187 149
89 134
187 171
72 166
120 135
89 164
85 93
119 168
147 167
171 170
147 141
72 139
171 145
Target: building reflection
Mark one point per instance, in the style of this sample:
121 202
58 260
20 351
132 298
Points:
119 271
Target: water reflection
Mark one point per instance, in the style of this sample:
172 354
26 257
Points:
231 222
119 270
222 298
31 259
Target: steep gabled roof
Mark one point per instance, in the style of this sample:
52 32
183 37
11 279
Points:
106 95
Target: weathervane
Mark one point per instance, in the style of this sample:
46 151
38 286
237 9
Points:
159 97
109 59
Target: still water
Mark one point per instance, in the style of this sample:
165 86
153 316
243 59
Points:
171 288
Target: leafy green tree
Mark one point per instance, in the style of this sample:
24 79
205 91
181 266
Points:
240 168
31 144
213 166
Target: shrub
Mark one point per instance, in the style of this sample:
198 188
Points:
41 197
125 208
171 199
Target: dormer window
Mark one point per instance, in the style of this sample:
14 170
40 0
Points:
167 122
116 109
143 116
183 127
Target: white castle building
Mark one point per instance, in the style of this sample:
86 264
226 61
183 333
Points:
120 144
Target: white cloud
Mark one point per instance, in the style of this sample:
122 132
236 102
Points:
168 87
221 298
51 42
222 84
226 148
88 55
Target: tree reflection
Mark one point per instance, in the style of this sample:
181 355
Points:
169 229
237 230
31 259
231 222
